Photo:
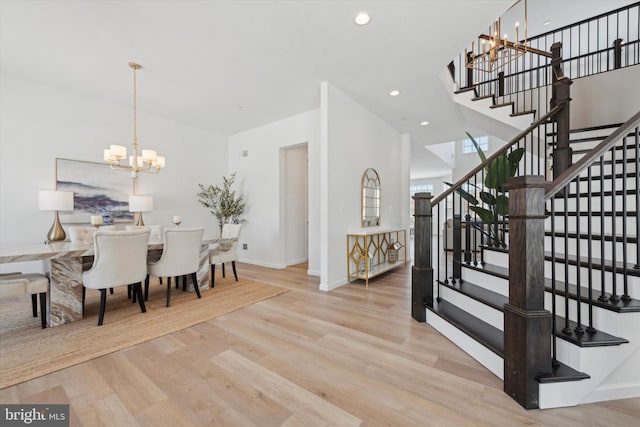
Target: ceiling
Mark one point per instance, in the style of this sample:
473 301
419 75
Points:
228 66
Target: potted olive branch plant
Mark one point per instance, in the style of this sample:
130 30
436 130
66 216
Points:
222 201
497 173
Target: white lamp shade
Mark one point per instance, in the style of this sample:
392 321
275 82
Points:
118 151
140 203
51 200
160 161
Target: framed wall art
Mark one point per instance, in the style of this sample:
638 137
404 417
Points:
98 190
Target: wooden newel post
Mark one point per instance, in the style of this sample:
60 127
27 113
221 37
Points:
560 95
527 325
422 270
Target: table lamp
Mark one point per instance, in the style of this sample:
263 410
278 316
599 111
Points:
51 200
139 204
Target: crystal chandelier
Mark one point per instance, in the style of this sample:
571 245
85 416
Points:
147 161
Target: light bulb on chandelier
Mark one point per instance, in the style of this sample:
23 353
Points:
148 161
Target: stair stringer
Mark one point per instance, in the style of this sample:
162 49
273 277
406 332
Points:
501 123
614 370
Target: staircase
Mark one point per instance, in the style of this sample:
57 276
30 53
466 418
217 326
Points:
580 256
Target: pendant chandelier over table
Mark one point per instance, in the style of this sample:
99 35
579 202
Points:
147 160
494 50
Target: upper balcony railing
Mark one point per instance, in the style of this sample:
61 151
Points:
603 43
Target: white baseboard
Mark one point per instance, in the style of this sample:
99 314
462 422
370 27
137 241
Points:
263 264
313 273
330 286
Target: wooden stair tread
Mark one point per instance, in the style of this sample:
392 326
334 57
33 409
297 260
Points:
631 306
591 128
523 113
594 236
480 98
484 333
596 339
597 263
620 306
504 104
493 339
479 293
561 373
465 89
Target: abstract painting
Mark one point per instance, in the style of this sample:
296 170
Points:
98 190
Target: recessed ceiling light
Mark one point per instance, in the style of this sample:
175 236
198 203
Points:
546 23
394 92
424 123
362 18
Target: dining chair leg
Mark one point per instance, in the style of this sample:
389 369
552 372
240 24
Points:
213 276
84 294
34 305
160 280
184 283
103 304
223 276
111 291
43 309
177 282
134 295
168 291
146 288
233 265
129 291
137 288
196 286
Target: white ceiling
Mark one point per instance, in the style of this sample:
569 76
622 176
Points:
229 66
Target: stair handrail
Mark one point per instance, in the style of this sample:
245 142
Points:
570 174
498 153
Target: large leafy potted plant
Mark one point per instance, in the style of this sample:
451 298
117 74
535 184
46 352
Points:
492 193
222 201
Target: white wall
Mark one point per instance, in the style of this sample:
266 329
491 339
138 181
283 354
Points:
259 179
40 123
606 98
352 140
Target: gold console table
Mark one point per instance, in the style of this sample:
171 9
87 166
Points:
373 252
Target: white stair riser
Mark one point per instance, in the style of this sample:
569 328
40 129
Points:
608 321
502 260
475 308
596 222
633 282
597 203
492 283
606 184
607 168
596 248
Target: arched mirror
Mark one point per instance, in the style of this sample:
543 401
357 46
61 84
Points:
370 198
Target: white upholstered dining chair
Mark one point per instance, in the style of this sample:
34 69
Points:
120 259
156 230
18 284
180 257
226 250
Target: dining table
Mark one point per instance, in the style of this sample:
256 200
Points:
64 263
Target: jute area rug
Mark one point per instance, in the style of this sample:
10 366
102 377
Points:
27 351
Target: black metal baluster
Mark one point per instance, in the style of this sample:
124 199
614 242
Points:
637 175
553 281
438 224
579 330
446 239
590 328
603 295
566 330
614 298
625 287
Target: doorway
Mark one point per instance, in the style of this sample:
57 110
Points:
296 214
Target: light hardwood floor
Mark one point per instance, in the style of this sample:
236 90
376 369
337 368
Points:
349 357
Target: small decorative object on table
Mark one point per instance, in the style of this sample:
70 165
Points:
177 220
96 220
